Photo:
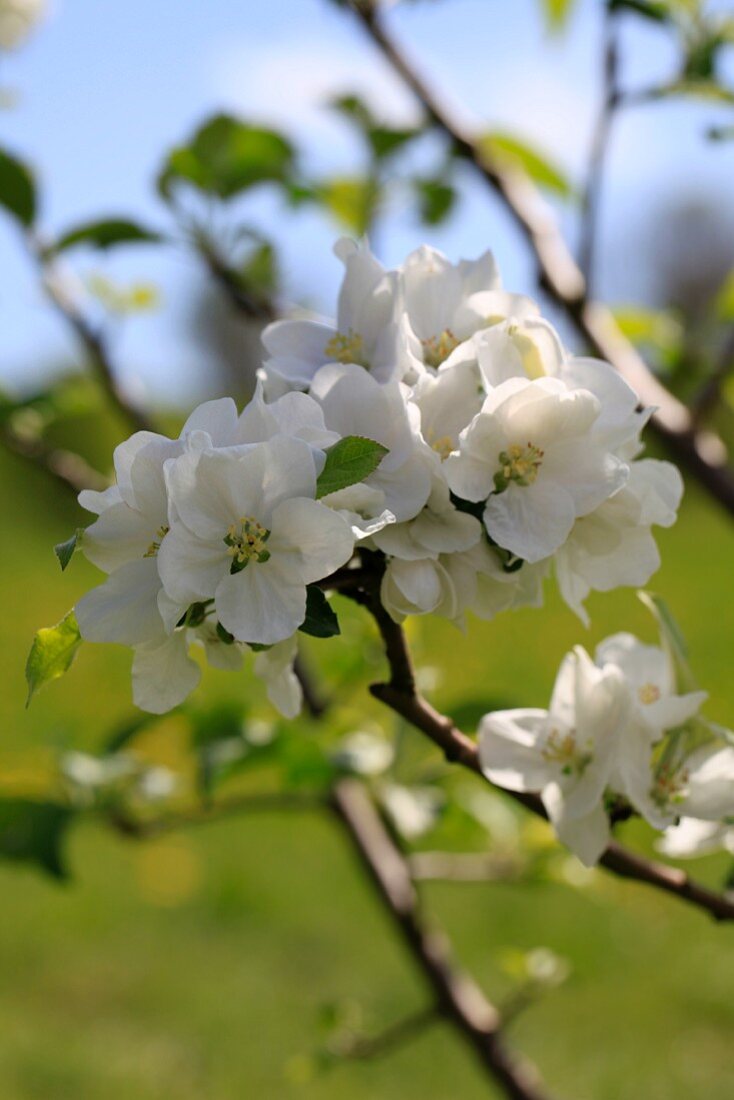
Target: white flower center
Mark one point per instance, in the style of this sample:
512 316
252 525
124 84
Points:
155 546
347 348
561 749
436 349
245 542
519 464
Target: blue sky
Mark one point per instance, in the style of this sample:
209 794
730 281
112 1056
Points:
104 88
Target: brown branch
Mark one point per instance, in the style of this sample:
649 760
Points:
67 468
459 999
314 703
400 695
708 397
61 296
703 454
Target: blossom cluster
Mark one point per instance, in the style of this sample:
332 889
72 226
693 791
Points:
503 459
620 734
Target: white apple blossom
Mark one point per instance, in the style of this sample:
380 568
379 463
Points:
367 331
692 837
529 453
247 532
614 545
567 753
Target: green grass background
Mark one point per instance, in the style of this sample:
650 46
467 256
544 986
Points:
114 988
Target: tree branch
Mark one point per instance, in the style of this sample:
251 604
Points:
365 1047
458 998
702 454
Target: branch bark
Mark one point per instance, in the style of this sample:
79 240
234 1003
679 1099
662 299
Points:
703 454
459 999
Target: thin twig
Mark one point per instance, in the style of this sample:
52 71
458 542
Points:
599 149
708 397
466 867
703 454
458 997
365 1047
61 295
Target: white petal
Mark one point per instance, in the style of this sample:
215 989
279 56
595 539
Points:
163 674
124 609
260 604
510 749
190 567
309 539
529 520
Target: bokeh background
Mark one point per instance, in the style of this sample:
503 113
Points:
200 963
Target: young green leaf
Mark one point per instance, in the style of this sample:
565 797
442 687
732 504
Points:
34 832
436 199
557 13
348 462
64 551
672 641
106 233
17 189
227 156
53 650
512 152
321 620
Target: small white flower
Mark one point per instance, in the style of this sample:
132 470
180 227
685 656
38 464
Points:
247 532
367 331
275 667
614 544
692 837
520 347
566 753
530 454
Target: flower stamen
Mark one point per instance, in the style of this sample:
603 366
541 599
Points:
245 541
155 546
436 349
347 348
518 464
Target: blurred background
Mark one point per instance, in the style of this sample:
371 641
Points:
212 959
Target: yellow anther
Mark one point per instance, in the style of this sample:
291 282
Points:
562 749
436 349
246 540
518 464
155 546
346 348
648 693
443 446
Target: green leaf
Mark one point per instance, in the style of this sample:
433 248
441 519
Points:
672 641
227 156
34 832
513 153
52 652
724 303
386 140
352 200
656 10
348 462
321 620
17 189
106 233
557 13
64 550
436 200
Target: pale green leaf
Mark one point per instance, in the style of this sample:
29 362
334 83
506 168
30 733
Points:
52 652
348 462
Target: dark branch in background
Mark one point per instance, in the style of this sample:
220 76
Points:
702 454
253 307
61 295
706 400
68 469
401 695
458 998
599 149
